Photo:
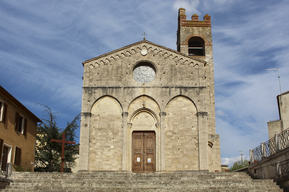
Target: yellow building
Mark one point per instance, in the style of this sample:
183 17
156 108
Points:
18 128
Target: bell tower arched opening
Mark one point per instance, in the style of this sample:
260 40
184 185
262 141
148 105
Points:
196 46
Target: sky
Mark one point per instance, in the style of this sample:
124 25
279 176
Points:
43 45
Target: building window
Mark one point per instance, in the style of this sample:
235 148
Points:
20 123
196 46
17 159
3 108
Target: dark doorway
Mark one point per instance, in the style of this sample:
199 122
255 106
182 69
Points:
4 158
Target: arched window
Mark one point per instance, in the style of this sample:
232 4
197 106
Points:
144 72
196 46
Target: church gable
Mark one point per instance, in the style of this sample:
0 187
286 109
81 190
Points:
117 67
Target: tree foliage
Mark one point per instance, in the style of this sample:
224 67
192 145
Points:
48 153
239 164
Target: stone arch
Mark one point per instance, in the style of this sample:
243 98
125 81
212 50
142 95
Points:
144 110
150 63
106 96
207 43
184 97
196 46
105 135
144 102
181 135
143 115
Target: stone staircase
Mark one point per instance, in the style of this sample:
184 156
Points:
117 181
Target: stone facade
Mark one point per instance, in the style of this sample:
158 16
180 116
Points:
275 127
145 87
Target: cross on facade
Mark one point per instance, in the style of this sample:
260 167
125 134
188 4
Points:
144 36
62 151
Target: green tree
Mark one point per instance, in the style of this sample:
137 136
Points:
47 153
239 164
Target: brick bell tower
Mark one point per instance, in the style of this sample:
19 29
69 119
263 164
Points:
194 38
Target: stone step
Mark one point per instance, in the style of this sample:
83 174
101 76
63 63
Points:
115 189
129 178
117 181
97 173
63 175
141 186
105 180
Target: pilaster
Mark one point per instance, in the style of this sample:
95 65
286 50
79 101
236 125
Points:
124 141
84 141
203 141
162 135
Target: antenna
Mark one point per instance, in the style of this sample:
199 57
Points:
241 152
279 80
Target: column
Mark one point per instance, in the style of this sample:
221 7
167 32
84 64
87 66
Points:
263 150
162 134
84 142
277 143
124 140
251 156
203 141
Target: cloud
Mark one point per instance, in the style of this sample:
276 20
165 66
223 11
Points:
220 113
189 5
44 42
231 160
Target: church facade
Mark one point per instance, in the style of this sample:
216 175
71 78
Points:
148 108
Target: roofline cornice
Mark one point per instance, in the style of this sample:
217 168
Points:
140 42
18 103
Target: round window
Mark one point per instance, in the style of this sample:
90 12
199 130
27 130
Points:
144 72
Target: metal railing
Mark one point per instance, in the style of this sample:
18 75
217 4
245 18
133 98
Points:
277 143
282 168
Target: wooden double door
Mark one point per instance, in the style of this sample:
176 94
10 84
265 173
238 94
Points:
143 152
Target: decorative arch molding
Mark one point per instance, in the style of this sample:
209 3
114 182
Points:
103 97
207 43
145 110
150 97
184 97
162 52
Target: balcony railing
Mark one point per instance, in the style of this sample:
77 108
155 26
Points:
277 143
283 168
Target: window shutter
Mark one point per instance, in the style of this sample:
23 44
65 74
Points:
25 126
17 160
19 157
4 112
16 120
1 147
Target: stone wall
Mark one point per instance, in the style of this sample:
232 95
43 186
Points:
267 168
181 135
105 135
275 127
